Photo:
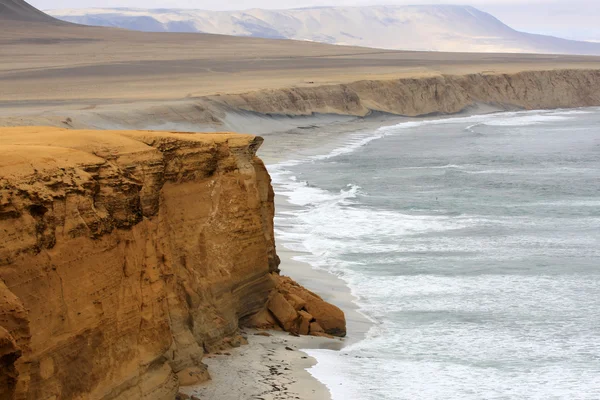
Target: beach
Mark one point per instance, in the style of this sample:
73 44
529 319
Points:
273 365
452 272
277 373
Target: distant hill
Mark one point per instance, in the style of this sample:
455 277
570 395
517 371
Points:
21 11
426 28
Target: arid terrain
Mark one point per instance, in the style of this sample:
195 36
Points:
434 27
50 71
128 256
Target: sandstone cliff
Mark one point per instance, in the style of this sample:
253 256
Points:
444 94
417 96
125 256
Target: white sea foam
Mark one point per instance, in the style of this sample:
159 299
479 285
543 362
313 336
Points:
525 120
399 357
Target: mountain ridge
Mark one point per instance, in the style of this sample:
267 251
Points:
419 28
21 11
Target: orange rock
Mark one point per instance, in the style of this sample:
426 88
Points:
138 250
264 319
284 312
296 301
329 317
315 328
305 322
9 353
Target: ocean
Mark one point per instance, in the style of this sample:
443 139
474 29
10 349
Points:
471 243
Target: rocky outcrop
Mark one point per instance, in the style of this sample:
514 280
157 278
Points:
295 309
445 94
125 256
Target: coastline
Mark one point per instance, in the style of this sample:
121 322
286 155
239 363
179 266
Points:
279 150
269 367
282 368
286 374
131 255
266 368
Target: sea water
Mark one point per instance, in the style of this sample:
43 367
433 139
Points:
472 243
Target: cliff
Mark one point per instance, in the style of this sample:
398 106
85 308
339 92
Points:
418 93
125 257
418 96
444 94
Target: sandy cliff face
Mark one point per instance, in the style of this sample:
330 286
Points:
125 256
421 96
418 96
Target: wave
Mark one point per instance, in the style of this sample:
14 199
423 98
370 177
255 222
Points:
329 224
513 118
336 232
526 120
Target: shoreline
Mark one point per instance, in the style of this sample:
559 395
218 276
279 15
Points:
266 368
329 286
290 371
131 256
275 366
270 367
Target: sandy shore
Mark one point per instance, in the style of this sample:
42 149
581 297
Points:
274 367
266 368
269 368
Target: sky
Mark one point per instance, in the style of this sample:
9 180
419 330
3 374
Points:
572 19
244 4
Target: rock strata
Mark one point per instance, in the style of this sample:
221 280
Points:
126 256
419 96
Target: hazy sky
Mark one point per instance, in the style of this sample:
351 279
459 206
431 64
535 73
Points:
574 19
244 4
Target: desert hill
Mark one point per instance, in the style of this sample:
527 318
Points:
418 28
21 11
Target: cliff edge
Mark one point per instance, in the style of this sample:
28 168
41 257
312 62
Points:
421 96
126 256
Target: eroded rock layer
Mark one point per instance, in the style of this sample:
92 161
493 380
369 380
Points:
125 256
444 94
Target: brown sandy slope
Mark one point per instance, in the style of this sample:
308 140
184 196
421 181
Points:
19 10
